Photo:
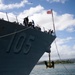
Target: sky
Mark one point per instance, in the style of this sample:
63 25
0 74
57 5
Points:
64 20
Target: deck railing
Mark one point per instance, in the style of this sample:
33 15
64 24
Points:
10 17
13 18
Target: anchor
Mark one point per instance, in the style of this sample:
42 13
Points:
49 64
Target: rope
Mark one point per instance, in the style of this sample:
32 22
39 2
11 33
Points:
55 41
49 59
14 32
61 59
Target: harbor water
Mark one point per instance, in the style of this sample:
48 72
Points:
60 69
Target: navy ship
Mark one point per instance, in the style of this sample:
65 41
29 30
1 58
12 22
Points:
21 47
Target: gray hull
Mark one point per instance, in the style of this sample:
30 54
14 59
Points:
20 51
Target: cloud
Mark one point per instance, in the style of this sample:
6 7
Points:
11 6
44 20
1 1
58 1
63 40
74 47
31 11
62 22
64 51
71 29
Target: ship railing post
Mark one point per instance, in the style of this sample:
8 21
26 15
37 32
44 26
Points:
7 16
16 19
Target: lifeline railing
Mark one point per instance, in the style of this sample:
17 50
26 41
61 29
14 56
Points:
13 18
10 17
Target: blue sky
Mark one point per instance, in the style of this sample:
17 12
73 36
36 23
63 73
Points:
64 17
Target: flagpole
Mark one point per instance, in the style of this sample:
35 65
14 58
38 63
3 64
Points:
53 21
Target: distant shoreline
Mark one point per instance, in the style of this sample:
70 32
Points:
64 61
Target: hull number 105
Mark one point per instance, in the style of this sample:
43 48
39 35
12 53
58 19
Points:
20 42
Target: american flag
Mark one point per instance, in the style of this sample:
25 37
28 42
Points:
49 12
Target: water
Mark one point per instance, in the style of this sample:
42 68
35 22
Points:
58 70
